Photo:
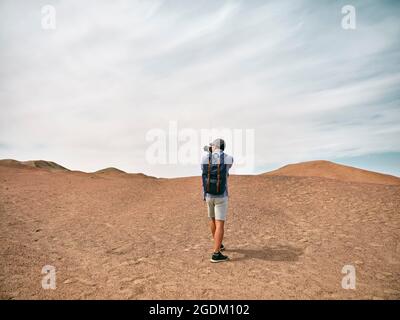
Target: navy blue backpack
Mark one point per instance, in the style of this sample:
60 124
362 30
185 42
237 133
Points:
214 174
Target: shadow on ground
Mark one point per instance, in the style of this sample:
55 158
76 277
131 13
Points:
278 253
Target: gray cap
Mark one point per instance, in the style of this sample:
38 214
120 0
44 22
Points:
219 143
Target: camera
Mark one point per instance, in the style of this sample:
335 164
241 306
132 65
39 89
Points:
207 149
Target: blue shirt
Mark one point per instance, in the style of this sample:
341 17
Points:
228 160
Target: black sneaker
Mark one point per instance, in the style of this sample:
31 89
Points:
218 257
222 247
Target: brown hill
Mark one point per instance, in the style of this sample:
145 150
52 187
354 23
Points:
110 170
52 166
331 170
49 165
42 164
11 163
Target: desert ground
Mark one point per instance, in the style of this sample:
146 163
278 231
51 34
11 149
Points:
113 235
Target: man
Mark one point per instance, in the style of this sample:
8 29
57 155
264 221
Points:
215 171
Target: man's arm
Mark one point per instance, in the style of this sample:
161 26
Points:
229 162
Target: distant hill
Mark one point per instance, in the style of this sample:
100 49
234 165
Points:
331 170
48 165
11 163
110 170
52 166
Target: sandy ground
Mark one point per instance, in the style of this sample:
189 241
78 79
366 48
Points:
119 236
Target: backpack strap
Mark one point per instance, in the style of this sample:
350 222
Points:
218 174
208 173
219 170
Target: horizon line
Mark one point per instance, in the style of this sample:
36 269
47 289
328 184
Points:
188 176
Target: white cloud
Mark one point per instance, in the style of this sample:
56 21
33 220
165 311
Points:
86 94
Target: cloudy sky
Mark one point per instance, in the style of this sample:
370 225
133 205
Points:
89 93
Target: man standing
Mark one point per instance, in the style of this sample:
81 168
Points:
215 171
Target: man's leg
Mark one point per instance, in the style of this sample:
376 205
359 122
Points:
218 234
221 206
212 226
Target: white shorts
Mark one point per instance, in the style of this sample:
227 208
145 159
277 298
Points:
217 208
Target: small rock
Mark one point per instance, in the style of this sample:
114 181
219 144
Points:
68 281
87 282
387 273
127 279
140 280
380 276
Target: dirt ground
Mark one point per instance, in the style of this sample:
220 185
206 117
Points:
125 236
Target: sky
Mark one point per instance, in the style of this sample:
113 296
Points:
130 84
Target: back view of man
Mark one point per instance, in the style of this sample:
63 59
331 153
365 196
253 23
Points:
215 171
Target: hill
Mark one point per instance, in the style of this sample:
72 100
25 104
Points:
110 170
42 164
331 170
